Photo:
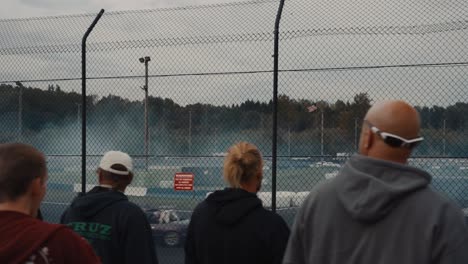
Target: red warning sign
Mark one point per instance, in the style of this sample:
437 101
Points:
183 181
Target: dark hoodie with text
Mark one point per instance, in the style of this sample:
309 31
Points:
231 226
377 212
116 228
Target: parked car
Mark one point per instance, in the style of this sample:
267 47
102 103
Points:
167 227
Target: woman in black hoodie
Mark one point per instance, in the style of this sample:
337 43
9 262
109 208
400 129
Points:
231 225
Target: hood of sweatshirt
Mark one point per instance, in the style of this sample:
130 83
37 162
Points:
370 189
232 205
22 235
94 201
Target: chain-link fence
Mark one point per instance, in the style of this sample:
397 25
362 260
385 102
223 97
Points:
210 71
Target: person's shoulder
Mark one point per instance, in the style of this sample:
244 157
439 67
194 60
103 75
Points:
269 222
124 206
66 238
434 206
272 216
73 247
128 205
268 217
200 211
323 188
130 209
45 226
436 199
65 233
202 207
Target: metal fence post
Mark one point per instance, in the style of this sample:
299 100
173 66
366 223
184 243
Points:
83 101
275 106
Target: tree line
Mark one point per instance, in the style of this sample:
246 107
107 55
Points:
190 128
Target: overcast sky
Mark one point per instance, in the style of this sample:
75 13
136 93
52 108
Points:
316 35
35 8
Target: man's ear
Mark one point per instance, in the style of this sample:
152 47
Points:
368 139
99 174
365 142
130 177
37 186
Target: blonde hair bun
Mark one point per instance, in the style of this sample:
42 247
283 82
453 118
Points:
242 163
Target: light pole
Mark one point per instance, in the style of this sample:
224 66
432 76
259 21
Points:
355 134
145 60
190 133
289 141
445 135
321 137
314 108
78 112
20 111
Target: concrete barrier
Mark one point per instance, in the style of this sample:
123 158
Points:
283 199
133 191
331 175
265 197
299 198
166 184
136 191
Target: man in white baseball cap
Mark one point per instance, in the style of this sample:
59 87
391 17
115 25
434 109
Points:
117 229
115 170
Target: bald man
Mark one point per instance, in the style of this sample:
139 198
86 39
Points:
379 210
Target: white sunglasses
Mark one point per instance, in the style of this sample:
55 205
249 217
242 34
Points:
395 140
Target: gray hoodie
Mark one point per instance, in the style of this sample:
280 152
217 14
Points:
377 212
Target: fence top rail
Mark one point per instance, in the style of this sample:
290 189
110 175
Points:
265 156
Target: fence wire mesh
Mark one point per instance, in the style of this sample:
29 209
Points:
210 85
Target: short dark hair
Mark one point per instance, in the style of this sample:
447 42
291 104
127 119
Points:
20 164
